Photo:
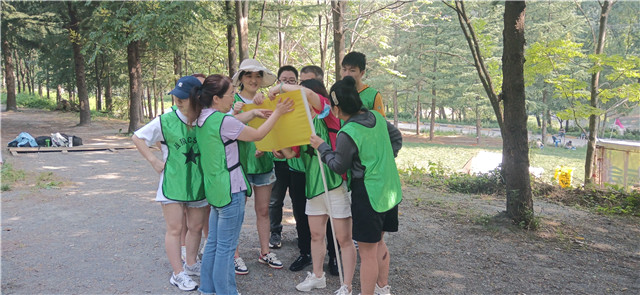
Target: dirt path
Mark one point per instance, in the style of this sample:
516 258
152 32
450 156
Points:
101 232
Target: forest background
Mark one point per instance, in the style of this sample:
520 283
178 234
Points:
121 58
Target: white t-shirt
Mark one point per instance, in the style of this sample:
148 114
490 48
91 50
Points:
152 133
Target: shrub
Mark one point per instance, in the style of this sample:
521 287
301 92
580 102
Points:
486 183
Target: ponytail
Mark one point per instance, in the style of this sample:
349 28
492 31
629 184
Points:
202 97
345 95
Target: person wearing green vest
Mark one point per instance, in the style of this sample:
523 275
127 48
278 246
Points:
251 76
320 206
366 146
180 191
286 180
226 184
354 65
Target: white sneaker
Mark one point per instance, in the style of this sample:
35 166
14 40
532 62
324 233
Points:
344 290
193 270
183 282
271 260
240 267
312 282
183 253
386 290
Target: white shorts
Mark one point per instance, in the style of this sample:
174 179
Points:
340 200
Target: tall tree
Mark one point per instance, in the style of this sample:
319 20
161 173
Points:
78 59
242 23
231 38
595 84
337 12
9 77
515 155
135 84
515 152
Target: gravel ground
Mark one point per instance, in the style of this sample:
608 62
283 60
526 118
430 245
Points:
101 232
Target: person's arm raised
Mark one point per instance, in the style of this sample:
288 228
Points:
252 134
312 97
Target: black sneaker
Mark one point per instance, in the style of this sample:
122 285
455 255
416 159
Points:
333 266
300 262
275 241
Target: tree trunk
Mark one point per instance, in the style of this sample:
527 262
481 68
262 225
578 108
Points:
12 104
149 108
474 46
15 57
177 66
242 23
231 39
98 86
27 71
418 111
280 39
395 106
264 6
337 11
432 123
186 62
443 114
58 93
595 79
545 113
47 83
78 58
478 121
135 87
155 90
515 155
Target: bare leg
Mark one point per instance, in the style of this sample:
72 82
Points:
342 229
205 224
318 228
195 219
368 267
383 263
173 216
262 198
183 232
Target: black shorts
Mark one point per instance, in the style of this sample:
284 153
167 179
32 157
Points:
368 224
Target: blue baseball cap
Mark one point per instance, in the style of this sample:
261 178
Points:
184 86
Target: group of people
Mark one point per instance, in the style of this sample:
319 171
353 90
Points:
210 166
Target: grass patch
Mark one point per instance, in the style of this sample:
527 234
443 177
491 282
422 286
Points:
47 180
10 176
452 158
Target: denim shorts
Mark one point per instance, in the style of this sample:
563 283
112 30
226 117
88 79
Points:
262 179
196 204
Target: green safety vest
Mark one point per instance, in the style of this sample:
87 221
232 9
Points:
381 177
248 159
182 180
314 186
368 97
296 164
215 169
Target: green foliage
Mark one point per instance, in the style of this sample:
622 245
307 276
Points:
25 100
486 183
617 201
612 199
